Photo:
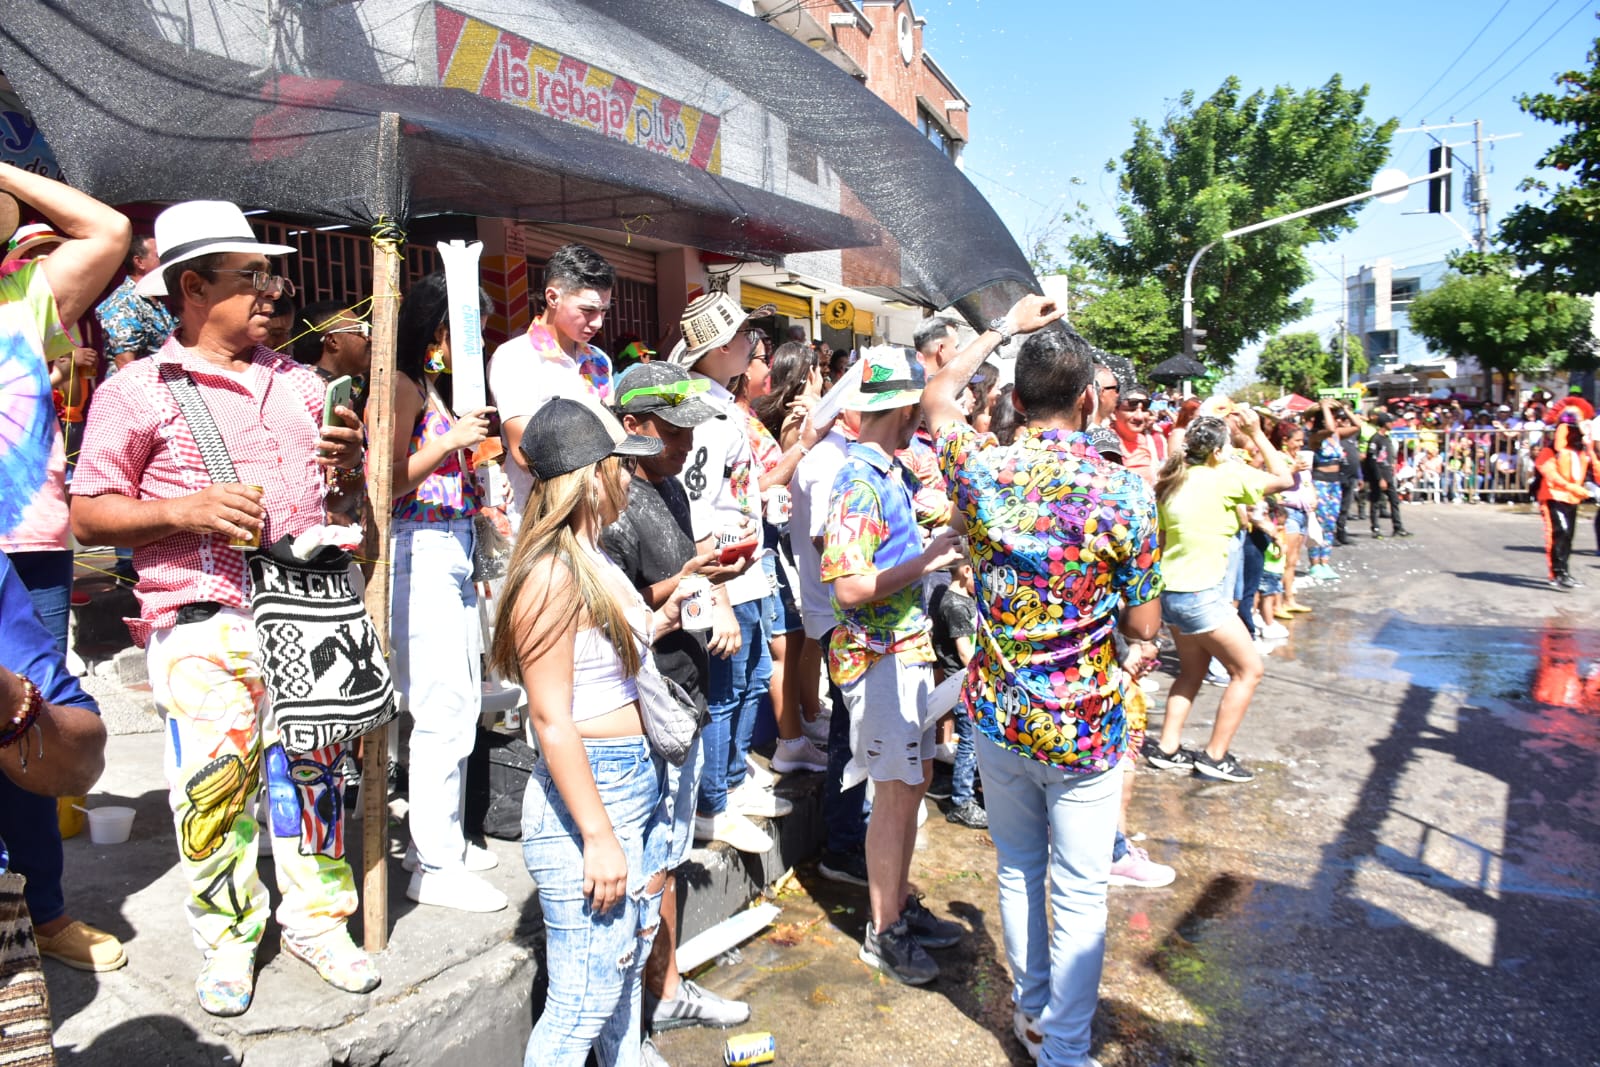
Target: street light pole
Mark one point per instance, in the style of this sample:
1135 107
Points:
1188 277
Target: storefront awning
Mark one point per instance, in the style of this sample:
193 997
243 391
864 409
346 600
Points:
134 117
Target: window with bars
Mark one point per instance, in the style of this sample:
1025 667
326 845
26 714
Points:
335 264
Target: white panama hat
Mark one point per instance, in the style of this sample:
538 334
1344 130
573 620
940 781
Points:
198 228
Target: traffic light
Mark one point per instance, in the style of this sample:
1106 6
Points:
1438 188
1192 338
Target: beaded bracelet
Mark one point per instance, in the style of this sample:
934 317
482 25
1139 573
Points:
26 715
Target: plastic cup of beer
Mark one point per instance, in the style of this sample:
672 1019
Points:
252 538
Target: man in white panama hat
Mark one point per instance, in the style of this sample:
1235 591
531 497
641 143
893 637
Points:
142 482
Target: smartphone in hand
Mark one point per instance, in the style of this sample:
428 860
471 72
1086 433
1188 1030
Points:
341 393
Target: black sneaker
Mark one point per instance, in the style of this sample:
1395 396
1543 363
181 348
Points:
1402 533
849 868
1376 536
1567 581
1227 768
1181 760
929 930
970 815
898 954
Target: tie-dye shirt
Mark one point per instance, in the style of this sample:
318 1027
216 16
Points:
1060 539
873 526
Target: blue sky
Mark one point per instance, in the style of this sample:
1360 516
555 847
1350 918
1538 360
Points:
1055 87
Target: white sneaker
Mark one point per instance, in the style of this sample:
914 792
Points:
477 858
458 889
734 830
1275 632
1026 1027
751 799
798 755
754 772
1261 624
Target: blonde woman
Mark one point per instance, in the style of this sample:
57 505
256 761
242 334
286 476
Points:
595 825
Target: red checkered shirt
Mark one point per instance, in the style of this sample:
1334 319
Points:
137 444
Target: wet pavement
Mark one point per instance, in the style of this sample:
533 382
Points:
1413 878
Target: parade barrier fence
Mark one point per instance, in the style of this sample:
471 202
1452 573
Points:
1488 465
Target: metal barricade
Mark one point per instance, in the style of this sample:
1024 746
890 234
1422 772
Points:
1487 465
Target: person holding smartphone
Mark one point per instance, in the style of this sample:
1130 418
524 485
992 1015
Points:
434 624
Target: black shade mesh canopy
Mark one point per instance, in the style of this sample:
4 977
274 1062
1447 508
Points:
276 105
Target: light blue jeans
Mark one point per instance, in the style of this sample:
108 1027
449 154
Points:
1047 823
595 962
438 645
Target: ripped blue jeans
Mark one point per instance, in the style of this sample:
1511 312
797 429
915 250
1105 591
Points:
595 962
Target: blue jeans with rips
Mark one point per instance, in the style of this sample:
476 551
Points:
596 962
1053 833
734 690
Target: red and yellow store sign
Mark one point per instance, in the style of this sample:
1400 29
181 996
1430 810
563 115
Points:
489 61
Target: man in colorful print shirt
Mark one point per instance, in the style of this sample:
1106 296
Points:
881 653
1063 543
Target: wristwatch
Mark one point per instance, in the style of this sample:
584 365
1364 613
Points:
999 327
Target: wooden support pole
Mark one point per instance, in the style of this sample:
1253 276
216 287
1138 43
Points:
386 268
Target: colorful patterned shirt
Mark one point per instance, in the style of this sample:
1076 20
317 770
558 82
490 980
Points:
133 324
138 445
872 527
33 463
1060 539
448 492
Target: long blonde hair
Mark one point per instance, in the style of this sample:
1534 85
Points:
532 612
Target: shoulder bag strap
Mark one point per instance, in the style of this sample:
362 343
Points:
213 450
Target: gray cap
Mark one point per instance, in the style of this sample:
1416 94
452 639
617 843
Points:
567 435
665 390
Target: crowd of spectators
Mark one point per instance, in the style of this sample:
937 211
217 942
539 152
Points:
905 556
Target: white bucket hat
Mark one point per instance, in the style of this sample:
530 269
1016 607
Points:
198 228
711 322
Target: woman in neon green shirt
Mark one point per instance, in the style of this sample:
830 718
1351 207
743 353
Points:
1196 496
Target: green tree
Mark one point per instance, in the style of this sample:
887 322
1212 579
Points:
1558 240
1229 161
1299 363
1135 322
1295 362
1508 328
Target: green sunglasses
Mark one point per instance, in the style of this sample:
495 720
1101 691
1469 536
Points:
672 393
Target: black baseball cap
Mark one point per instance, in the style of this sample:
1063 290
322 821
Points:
665 390
567 435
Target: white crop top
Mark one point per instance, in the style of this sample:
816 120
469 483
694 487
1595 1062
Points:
599 684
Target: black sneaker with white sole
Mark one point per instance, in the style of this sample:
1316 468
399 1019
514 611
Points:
1226 769
1181 760
897 953
849 868
930 930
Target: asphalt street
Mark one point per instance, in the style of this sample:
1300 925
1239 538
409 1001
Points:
1412 878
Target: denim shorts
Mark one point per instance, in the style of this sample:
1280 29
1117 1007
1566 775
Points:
1271 583
1196 613
1294 520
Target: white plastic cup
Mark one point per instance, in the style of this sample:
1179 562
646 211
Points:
695 608
110 825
